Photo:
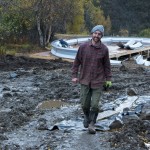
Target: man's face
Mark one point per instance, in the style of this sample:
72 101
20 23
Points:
96 36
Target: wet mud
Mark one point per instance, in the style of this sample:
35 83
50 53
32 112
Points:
27 82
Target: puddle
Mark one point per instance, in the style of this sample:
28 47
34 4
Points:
46 105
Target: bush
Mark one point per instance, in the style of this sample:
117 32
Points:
145 33
12 49
4 50
124 32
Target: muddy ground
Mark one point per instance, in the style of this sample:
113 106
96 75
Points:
26 82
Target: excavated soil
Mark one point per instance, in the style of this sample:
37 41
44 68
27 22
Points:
26 82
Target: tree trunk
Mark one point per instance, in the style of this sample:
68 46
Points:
49 35
40 32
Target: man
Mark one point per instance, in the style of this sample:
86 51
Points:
93 61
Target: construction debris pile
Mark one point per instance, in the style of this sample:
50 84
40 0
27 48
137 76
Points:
131 44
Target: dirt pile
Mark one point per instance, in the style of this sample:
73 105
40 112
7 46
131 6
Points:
132 136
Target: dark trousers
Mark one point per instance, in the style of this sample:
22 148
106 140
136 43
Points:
90 99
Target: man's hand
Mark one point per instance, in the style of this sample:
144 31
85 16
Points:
75 80
108 84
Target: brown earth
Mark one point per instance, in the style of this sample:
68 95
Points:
26 82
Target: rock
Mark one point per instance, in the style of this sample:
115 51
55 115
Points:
7 94
138 109
131 92
42 125
146 123
145 114
6 88
123 68
116 124
3 137
13 75
6 110
125 111
130 117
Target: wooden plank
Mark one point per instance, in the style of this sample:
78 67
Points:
121 52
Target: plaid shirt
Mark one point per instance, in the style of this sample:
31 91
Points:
93 64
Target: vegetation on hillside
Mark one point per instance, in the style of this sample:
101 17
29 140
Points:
128 15
37 21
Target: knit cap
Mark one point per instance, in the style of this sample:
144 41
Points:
98 28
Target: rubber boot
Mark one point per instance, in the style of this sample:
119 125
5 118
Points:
86 119
91 128
93 117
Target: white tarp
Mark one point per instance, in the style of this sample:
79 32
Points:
139 60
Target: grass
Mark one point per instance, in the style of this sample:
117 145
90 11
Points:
12 49
70 36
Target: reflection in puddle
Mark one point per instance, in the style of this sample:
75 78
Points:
51 104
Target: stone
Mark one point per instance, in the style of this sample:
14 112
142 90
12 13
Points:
130 117
116 124
3 137
131 92
145 114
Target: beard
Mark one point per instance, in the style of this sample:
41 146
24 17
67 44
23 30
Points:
96 39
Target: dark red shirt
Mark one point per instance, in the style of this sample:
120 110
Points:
93 64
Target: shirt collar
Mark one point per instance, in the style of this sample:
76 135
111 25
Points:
95 46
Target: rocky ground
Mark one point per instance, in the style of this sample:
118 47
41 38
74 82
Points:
26 82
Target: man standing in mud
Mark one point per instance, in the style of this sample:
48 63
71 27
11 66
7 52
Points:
93 64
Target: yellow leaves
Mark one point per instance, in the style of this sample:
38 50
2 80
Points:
77 25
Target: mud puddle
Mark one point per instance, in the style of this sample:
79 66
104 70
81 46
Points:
47 105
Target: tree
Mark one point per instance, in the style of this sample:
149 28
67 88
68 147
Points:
130 15
94 15
16 19
23 19
53 16
76 24
145 33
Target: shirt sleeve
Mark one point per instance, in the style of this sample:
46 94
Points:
107 66
76 64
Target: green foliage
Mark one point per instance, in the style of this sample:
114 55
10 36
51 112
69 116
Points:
124 32
16 48
95 2
94 16
132 15
108 26
16 21
2 50
76 25
23 21
27 48
145 33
